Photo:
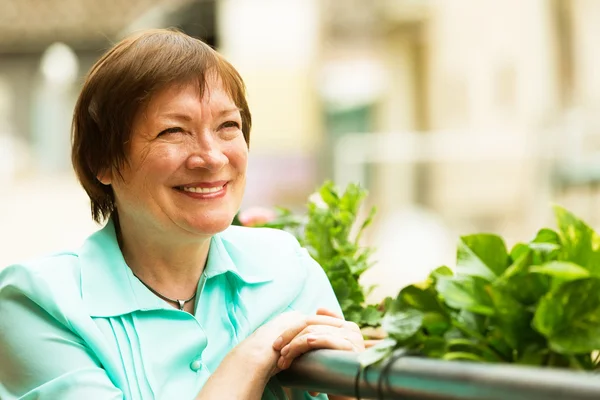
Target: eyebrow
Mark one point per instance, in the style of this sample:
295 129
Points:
183 117
186 117
229 111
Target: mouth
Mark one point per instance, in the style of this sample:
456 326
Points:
196 189
204 190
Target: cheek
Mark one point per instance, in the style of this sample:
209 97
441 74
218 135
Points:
238 157
161 161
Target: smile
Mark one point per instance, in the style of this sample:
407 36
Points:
202 190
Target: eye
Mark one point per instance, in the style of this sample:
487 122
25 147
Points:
231 124
174 129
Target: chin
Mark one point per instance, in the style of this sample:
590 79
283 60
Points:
211 225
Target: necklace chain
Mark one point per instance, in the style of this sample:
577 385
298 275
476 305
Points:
181 303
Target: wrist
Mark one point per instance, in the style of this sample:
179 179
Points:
259 361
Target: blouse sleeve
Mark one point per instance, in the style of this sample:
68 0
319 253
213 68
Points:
41 358
317 291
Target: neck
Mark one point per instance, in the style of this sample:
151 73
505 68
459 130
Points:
171 267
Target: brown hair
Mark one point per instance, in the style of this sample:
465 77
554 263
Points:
120 84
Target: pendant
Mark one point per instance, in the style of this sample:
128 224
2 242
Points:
181 304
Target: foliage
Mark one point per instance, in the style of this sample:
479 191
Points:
538 304
326 231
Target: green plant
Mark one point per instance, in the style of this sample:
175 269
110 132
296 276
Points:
538 304
326 231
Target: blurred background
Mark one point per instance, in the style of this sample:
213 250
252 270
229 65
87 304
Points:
458 116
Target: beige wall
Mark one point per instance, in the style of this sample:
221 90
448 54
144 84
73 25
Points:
492 73
274 45
492 63
586 35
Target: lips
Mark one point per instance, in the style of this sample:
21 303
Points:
203 188
197 189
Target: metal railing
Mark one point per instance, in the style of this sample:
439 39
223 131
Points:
335 372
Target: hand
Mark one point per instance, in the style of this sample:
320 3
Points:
258 348
326 330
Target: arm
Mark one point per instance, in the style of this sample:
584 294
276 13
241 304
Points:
318 297
239 376
245 371
41 358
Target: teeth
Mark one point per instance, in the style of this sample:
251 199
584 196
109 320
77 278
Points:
202 190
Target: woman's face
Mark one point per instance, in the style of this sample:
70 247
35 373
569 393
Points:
187 163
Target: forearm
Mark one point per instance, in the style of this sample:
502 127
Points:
237 377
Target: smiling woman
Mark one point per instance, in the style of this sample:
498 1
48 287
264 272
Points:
167 300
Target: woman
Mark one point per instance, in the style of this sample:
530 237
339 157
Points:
167 301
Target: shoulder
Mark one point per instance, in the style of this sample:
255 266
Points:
46 281
59 268
265 250
299 282
276 254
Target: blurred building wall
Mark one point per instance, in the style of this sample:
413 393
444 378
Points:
503 91
275 47
468 66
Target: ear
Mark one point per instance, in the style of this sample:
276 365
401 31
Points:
105 177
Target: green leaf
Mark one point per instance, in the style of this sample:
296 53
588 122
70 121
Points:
470 322
528 288
546 246
566 271
434 347
534 354
376 353
403 324
473 347
366 223
569 317
482 255
328 194
580 244
546 235
371 316
496 340
518 250
442 271
466 293
525 287
513 319
421 299
523 259
435 324
387 304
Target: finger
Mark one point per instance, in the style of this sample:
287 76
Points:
348 330
351 335
372 342
329 313
300 324
305 343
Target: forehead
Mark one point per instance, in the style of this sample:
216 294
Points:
189 96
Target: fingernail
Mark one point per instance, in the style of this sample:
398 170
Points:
277 343
285 350
281 363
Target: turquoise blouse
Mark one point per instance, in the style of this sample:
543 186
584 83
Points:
79 325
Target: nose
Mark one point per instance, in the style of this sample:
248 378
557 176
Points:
207 154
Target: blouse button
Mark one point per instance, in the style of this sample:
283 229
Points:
196 365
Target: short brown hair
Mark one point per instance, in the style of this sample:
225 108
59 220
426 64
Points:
120 84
